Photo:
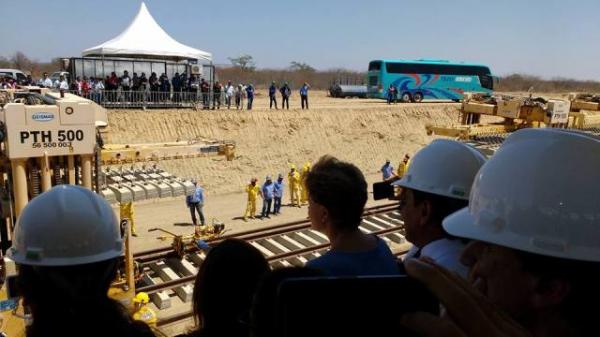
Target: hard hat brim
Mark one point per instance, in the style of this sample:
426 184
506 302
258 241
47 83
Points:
21 258
404 183
463 224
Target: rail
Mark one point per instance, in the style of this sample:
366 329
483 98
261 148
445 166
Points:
162 252
188 314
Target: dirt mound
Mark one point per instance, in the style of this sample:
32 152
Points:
364 132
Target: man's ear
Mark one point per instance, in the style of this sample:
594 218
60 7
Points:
550 292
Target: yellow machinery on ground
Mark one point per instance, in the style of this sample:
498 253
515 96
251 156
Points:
187 242
512 113
48 140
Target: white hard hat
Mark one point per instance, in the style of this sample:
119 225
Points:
444 167
539 193
67 225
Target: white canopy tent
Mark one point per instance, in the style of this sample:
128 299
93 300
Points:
145 38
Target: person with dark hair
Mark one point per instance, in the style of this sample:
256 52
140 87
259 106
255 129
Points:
217 89
195 203
143 82
68 246
229 94
204 90
436 185
392 94
264 314
286 92
267 193
273 95
337 194
125 82
304 95
277 194
535 256
250 95
224 288
387 171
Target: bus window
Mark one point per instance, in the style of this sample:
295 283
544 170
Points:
486 81
375 66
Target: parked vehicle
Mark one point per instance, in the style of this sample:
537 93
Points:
16 74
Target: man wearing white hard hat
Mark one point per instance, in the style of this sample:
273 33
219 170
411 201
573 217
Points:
68 246
534 218
436 184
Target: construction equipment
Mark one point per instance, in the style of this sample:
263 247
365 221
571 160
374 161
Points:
48 139
188 242
514 113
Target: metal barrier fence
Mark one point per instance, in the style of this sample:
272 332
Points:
151 99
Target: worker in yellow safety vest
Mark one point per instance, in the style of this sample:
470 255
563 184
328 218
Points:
253 191
403 166
304 191
142 311
127 212
295 186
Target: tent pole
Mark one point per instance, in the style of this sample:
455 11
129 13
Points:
212 83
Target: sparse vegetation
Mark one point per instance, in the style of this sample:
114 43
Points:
519 82
243 70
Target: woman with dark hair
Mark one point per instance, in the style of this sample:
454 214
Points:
224 288
337 194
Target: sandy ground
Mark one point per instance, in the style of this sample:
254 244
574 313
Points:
364 132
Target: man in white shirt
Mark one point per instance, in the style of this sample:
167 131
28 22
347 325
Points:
436 184
62 83
46 81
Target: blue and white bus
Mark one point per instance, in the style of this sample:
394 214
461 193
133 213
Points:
427 79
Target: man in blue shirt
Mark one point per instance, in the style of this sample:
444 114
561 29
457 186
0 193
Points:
250 95
387 170
267 192
304 94
195 202
273 95
278 194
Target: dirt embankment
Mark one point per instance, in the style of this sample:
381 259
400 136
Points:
364 132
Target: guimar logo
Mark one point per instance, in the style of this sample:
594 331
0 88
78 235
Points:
42 116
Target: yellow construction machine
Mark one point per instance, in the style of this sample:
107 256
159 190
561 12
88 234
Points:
48 139
487 118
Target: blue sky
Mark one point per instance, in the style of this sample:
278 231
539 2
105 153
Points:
549 38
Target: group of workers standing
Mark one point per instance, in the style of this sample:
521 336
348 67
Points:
236 94
387 170
272 192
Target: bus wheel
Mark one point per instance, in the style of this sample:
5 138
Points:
405 98
418 97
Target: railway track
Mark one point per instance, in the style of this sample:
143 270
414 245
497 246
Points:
169 279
